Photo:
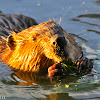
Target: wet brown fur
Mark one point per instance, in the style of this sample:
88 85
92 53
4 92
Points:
36 48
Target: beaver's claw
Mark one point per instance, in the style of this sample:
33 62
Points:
56 70
83 65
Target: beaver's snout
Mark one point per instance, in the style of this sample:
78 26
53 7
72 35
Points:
62 43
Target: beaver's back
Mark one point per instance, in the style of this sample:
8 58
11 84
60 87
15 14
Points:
11 22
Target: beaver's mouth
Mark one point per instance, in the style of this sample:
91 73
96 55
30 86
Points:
60 59
62 55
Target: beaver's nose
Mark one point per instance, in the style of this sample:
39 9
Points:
61 41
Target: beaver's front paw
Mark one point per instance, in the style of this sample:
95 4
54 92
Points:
84 65
56 70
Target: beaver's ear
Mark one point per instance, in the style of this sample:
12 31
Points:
11 42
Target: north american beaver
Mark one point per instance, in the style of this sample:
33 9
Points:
40 48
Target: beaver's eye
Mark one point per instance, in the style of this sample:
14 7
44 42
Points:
34 38
54 43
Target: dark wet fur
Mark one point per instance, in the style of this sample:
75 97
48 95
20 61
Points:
9 22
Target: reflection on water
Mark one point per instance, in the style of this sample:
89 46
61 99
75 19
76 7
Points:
23 92
90 16
19 84
91 93
31 79
98 2
82 20
28 86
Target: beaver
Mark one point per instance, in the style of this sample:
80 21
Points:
41 48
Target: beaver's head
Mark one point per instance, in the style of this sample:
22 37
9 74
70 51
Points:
37 47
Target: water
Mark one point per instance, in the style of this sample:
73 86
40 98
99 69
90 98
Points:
80 18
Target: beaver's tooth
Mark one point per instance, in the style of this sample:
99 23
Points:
57 61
